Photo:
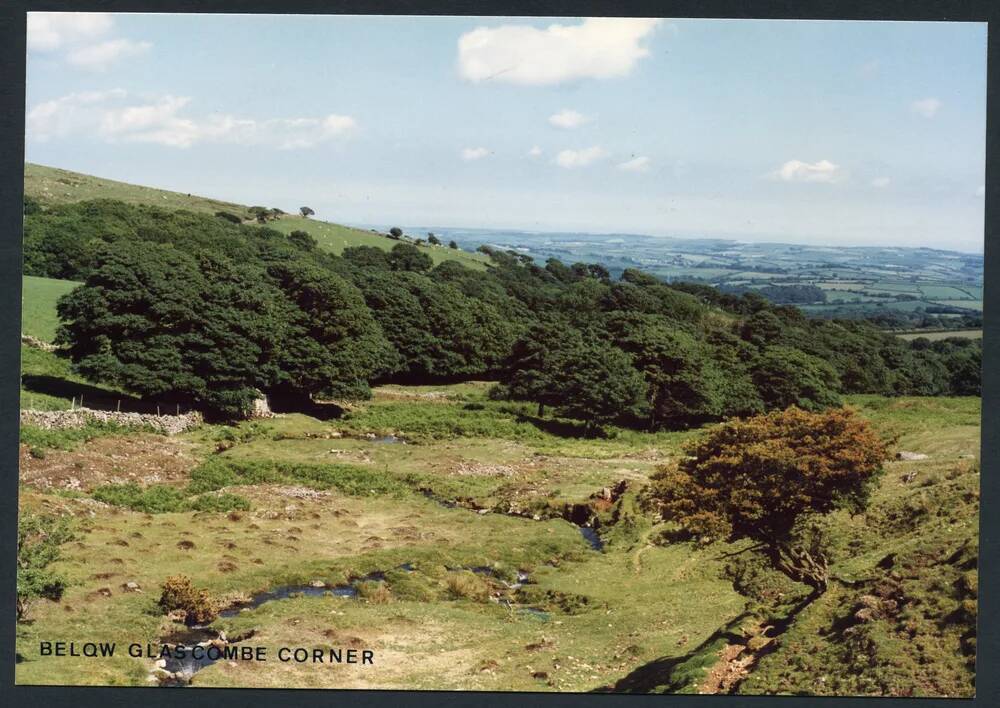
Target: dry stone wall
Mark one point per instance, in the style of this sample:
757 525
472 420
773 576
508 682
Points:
78 418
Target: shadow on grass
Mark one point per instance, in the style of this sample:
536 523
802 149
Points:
658 675
675 674
92 396
560 427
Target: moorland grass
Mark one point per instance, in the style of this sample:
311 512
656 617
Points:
649 614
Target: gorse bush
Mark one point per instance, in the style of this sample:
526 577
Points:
196 604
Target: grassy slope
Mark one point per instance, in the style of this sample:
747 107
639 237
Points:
334 237
918 543
55 186
52 185
38 305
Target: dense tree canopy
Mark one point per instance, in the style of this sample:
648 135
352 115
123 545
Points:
190 306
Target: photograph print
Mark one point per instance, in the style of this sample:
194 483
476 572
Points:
537 354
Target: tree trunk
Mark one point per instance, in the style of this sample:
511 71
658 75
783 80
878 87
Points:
541 410
800 565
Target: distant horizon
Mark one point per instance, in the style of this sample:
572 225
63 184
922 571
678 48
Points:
678 236
549 232
834 132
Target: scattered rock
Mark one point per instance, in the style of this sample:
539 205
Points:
317 584
910 456
478 469
131 586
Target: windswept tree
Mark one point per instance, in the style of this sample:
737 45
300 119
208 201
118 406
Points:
306 212
396 233
453 244
765 478
433 240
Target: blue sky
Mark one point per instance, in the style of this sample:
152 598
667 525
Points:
815 132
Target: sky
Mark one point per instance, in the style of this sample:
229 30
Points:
842 133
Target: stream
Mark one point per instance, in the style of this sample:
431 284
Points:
196 647
200 645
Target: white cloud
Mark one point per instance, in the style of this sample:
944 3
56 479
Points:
580 158
79 37
568 119
598 48
636 164
535 151
981 190
98 57
798 171
51 30
880 182
113 118
927 107
474 153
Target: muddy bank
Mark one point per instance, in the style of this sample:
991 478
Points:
587 516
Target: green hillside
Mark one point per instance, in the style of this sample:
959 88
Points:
51 185
54 186
38 305
335 238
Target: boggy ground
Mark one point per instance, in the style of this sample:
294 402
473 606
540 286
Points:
645 614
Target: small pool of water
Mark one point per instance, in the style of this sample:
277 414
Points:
535 612
283 592
592 537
